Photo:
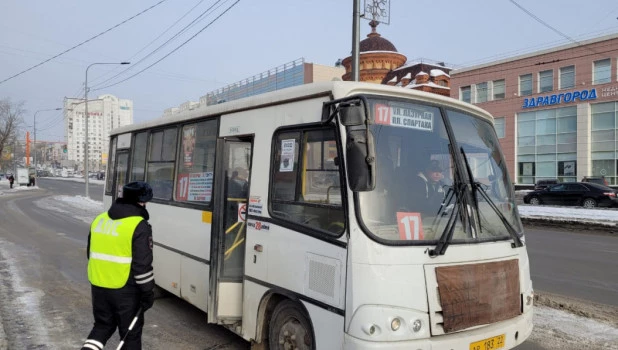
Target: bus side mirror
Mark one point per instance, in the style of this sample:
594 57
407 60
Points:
352 114
361 160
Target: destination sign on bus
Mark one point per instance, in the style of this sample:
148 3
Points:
403 117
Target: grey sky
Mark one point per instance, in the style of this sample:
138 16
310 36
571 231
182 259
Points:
252 37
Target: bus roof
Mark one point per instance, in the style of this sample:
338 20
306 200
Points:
334 89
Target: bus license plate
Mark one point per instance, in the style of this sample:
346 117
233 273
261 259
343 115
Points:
496 342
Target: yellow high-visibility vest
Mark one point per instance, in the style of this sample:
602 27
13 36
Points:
111 241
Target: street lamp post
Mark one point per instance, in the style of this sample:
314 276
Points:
86 120
35 113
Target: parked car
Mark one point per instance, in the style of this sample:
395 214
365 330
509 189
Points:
586 194
543 183
596 180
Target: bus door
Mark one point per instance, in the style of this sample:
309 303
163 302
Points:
229 229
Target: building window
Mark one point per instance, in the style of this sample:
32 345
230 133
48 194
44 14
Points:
603 141
525 85
499 125
547 145
602 72
546 81
567 77
465 94
481 92
498 89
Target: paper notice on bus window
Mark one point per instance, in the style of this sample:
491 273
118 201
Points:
194 187
403 117
287 155
200 186
410 226
188 144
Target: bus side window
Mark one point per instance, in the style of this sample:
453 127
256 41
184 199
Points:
161 161
305 180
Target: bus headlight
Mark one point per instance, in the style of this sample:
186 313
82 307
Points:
395 323
387 323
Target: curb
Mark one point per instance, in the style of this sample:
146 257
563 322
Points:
584 308
572 225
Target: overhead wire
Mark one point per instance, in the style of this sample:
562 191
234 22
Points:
153 40
472 72
531 49
504 105
546 24
175 49
183 30
83 42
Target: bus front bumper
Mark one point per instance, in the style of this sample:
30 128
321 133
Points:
515 330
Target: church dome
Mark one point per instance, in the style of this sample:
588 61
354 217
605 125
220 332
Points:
375 42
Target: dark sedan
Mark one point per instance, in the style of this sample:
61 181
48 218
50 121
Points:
588 195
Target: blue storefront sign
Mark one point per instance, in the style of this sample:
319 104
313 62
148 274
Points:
555 99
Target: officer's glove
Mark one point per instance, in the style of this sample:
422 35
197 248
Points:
147 300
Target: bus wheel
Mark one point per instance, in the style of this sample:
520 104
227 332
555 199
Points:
290 328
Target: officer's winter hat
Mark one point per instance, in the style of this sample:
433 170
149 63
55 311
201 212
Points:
137 191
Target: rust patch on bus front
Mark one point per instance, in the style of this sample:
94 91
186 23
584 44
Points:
478 294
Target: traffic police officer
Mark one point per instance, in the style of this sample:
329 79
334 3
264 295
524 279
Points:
120 268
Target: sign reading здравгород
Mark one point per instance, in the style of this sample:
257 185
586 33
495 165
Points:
550 100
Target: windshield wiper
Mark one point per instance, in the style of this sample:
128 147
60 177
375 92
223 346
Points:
458 191
449 229
505 222
474 200
476 187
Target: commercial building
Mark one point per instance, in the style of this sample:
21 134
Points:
555 110
293 73
105 113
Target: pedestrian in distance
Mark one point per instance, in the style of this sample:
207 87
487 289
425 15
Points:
11 180
120 268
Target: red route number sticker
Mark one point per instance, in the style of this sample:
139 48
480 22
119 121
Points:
383 114
410 226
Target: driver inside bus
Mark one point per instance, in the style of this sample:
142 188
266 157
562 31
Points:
427 188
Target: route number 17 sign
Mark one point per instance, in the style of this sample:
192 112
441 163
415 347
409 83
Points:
410 226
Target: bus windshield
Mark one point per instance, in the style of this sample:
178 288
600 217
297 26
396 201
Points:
416 197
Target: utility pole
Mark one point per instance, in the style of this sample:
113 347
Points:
86 121
380 13
356 41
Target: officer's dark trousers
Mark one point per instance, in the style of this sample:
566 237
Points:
115 308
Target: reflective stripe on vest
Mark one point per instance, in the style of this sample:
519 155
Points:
111 250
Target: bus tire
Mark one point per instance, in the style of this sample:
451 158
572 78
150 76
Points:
290 328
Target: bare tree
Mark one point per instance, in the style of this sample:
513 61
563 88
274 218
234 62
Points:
10 119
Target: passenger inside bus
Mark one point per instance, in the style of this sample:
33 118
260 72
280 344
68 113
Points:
238 185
